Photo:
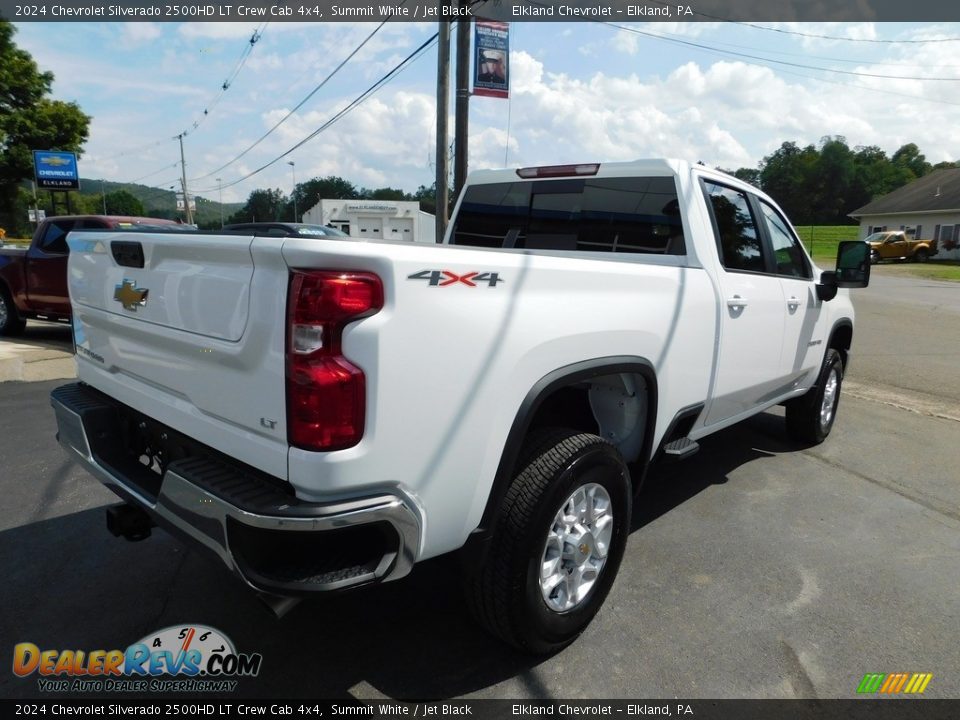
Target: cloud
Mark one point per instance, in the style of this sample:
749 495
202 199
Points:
133 35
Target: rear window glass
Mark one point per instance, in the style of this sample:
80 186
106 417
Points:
632 215
55 238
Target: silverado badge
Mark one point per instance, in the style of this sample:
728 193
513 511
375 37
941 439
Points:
130 295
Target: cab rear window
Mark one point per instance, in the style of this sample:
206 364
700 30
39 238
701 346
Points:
626 215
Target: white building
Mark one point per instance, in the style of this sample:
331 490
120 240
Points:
377 219
928 208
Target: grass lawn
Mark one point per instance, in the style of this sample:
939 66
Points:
822 240
931 270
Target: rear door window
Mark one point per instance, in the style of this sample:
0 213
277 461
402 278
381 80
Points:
624 215
737 235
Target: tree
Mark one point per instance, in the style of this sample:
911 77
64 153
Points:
29 120
261 206
387 194
909 159
788 176
311 192
121 202
835 172
748 175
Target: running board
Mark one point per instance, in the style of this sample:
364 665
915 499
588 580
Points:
680 449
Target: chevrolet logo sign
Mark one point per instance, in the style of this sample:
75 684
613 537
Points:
55 160
130 295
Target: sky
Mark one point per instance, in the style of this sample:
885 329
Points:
726 94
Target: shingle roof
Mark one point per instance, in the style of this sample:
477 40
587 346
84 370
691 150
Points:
940 190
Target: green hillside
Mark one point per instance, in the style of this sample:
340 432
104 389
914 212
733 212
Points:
156 202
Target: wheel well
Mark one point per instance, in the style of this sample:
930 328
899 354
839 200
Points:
612 406
840 340
5 291
586 397
567 407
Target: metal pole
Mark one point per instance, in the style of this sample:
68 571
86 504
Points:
183 180
293 167
220 188
462 111
443 104
103 194
36 204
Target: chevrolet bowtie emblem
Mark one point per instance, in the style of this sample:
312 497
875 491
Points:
130 295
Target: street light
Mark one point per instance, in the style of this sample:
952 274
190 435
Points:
220 188
293 168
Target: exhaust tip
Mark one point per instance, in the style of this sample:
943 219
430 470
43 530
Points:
129 522
279 605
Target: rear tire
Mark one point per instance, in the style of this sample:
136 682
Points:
921 255
560 534
810 417
10 322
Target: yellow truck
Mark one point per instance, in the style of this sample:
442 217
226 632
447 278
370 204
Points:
897 245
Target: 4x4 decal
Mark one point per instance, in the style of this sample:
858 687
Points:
444 278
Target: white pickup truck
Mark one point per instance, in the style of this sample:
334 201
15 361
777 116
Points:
322 414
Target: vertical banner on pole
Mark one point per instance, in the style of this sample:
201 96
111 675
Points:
491 71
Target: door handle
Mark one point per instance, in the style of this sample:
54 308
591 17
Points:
737 302
793 303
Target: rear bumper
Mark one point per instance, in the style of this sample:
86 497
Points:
256 526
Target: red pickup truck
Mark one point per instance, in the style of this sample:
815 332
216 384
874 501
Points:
33 281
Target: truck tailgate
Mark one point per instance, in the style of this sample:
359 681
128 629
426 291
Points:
164 323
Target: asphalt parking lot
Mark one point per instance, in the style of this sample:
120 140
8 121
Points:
758 569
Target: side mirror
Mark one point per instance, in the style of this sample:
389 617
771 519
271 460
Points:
853 264
853 270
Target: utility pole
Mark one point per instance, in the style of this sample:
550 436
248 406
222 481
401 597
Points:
220 188
103 194
462 110
293 167
183 181
443 103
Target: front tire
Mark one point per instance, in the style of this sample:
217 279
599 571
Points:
561 531
874 257
810 417
10 322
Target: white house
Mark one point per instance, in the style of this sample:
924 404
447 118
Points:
378 219
929 207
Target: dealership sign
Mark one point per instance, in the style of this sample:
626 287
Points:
56 170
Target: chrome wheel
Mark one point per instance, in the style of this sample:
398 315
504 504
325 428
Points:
576 548
829 402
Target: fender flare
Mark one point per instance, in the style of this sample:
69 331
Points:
543 388
841 324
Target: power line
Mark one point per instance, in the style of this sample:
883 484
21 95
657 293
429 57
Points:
834 37
357 101
777 62
224 87
852 61
244 56
155 172
298 105
803 34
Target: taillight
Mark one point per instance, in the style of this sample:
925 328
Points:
326 393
